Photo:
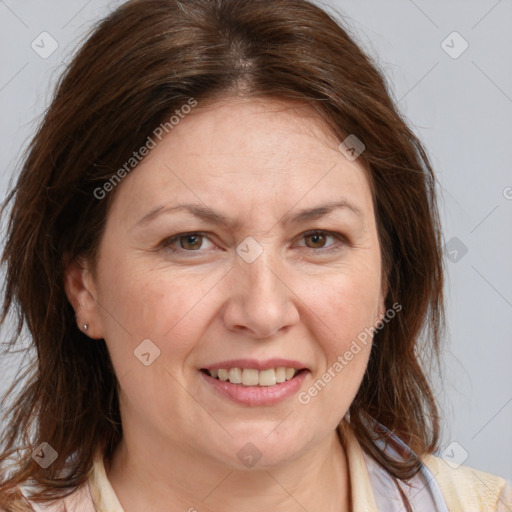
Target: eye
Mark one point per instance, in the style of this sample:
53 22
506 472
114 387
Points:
188 242
318 240
192 242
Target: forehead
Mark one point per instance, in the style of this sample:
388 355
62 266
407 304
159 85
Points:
246 154
240 126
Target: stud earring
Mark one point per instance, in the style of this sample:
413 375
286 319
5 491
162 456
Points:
86 326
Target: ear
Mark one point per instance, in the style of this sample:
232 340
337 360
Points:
81 293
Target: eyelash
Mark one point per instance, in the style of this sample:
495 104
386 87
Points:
169 241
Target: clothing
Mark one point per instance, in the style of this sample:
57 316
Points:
437 487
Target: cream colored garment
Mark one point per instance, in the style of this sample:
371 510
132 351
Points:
466 489
463 489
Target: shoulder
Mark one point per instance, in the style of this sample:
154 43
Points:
465 488
79 499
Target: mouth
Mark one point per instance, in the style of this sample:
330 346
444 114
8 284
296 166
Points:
255 386
253 376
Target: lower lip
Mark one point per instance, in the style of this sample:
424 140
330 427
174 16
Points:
257 395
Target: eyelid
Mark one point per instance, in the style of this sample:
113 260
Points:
332 248
342 240
174 238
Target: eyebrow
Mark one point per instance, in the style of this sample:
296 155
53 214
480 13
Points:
208 215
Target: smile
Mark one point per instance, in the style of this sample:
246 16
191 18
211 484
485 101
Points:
253 376
252 387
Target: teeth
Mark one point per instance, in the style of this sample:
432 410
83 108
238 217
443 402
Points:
253 377
289 373
267 377
235 376
280 374
249 377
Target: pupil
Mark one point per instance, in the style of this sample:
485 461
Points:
191 237
316 236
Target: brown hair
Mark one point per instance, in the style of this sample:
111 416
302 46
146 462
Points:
140 64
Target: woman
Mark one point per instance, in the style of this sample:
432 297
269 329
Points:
225 244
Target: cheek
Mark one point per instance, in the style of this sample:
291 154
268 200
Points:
347 309
139 303
346 312
347 304
150 301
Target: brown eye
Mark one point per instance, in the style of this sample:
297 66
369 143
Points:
317 240
191 242
184 244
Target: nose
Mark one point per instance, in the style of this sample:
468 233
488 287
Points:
261 303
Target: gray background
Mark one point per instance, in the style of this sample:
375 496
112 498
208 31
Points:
460 105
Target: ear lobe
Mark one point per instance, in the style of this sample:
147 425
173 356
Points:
81 293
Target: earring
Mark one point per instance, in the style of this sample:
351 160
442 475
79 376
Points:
86 326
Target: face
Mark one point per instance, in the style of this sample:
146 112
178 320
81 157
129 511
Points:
287 281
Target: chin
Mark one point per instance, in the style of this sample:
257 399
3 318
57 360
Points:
258 448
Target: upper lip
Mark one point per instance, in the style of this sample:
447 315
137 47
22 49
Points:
256 364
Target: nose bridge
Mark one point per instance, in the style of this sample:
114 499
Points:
260 300
263 274
259 279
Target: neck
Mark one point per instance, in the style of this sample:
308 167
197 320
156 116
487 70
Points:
148 477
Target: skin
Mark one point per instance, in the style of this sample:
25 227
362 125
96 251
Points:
303 298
